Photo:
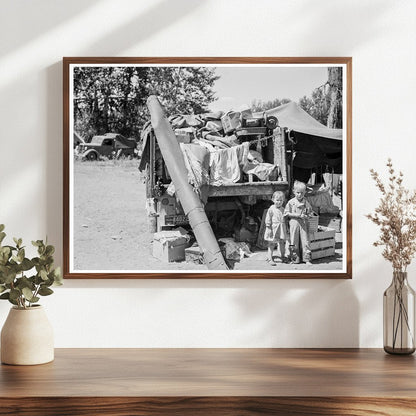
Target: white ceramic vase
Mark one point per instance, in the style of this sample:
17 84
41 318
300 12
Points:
27 337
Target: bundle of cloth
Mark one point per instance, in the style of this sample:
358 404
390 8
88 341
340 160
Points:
214 157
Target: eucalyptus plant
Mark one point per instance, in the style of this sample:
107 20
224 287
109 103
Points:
24 280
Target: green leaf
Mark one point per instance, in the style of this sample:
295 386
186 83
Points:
57 276
38 280
11 248
9 277
27 293
13 302
2 288
24 282
5 250
26 264
45 291
2 227
2 236
15 294
17 241
37 243
43 274
49 250
21 255
5 295
14 260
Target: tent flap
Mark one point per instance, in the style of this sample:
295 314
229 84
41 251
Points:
292 116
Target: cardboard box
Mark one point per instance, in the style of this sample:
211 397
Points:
231 121
185 135
169 246
170 213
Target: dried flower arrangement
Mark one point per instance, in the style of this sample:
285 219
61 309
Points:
396 216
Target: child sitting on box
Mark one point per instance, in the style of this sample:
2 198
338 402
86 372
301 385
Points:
275 232
298 210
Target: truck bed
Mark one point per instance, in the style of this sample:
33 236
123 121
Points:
248 188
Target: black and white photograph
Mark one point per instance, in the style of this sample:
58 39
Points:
211 168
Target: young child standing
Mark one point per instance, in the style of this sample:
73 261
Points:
298 210
275 232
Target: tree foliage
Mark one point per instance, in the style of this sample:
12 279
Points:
113 99
183 90
325 103
259 105
317 105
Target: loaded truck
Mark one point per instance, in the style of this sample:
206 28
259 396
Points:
232 199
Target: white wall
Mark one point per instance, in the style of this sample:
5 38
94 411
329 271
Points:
380 35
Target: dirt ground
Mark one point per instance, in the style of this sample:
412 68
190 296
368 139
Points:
110 229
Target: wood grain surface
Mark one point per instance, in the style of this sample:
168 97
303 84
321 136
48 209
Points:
212 381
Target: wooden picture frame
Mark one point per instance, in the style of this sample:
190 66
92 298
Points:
104 232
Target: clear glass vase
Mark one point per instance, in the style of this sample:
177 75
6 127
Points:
399 316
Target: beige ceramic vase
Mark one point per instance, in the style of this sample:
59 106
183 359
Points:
27 337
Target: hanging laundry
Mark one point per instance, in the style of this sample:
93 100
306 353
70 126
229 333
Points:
225 165
197 163
263 171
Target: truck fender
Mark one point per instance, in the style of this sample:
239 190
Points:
90 154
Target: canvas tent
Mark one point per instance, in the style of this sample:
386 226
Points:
315 145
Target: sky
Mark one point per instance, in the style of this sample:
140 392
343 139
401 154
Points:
239 86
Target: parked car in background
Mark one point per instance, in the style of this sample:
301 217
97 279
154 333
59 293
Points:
110 145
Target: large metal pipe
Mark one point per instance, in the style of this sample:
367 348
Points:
190 201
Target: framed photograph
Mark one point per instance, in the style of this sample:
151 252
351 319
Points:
207 168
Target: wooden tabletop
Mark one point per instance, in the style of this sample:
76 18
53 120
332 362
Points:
231 381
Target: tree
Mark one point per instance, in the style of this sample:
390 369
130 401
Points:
113 99
109 99
316 106
183 90
325 105
335 97
259 105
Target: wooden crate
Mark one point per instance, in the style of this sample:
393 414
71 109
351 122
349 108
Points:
322 243
331 221
313 223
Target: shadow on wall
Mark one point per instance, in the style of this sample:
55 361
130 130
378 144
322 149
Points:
300 313
156 18
339 19
41 16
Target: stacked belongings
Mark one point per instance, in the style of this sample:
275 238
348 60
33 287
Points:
223 148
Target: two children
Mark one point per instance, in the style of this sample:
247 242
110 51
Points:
296 212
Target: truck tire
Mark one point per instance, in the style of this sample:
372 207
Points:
92 156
